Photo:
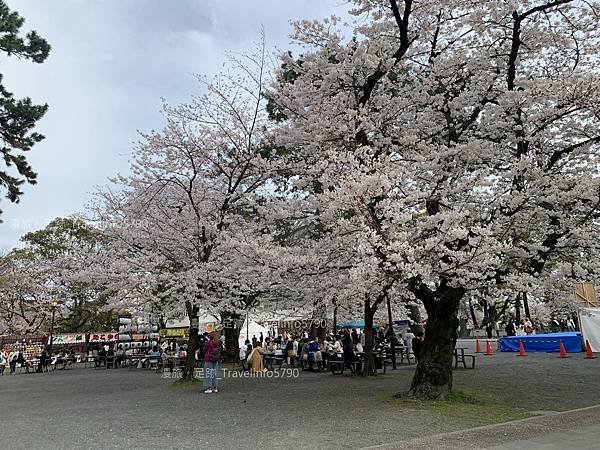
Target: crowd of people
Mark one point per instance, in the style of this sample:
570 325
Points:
536 326
312 352
16 359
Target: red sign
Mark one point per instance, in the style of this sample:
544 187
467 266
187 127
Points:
103 337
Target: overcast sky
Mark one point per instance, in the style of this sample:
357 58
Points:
111 63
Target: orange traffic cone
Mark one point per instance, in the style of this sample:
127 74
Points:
522 349
477 346
563 352
589 354
488 349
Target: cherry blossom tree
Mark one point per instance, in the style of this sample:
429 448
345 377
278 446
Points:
25 303
451 145
184 229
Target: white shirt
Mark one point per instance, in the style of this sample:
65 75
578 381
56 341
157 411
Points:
242 352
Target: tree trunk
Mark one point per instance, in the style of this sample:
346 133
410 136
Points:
393 334
486 313
231 330
335 309
415 315
318 325
526 305
369 359
433 376
473 316
518 309
193 341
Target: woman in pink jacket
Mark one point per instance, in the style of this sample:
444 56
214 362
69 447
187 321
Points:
212 356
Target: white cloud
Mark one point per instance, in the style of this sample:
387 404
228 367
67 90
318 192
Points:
111 62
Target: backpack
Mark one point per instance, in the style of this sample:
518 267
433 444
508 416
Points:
215 356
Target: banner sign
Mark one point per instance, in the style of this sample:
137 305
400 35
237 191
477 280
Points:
174 332
103 337
66 339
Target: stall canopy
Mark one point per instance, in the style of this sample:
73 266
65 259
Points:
549 342
251 329
589 319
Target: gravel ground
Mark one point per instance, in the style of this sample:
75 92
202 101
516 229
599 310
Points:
87 408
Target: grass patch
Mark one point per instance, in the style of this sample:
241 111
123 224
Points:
464 407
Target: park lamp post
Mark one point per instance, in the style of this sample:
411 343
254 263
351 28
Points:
54 304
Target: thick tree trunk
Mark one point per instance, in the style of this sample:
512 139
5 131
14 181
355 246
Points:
231 330
369 359
518 310
433 376
526 305
193 341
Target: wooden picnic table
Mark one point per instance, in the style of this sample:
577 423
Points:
272 358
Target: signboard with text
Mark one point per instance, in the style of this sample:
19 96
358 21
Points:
102 337
67 339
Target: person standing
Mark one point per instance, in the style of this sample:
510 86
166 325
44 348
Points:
408 342
212 356
44 360
380 335
12 361
355 338
261 339
528 326
289 351
255 359
22 362
244 353
347 349
510 328
2 362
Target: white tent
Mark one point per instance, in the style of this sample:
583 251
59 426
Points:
251 329
589 319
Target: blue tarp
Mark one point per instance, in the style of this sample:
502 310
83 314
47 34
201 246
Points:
352 324
549 342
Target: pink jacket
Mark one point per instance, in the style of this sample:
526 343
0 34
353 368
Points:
209 348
